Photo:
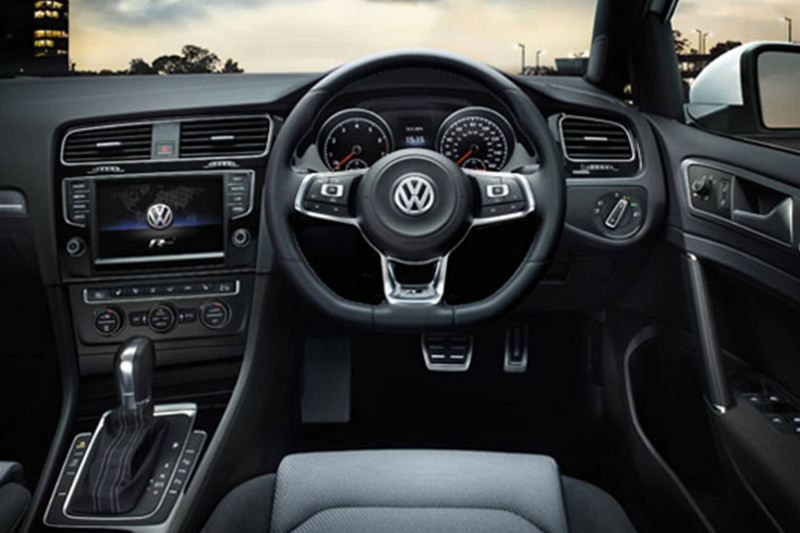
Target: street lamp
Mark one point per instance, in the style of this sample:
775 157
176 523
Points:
701 41
788 21
522 52
538 56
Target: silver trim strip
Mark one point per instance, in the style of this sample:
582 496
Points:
624 128
159 258
12 208
177 120
161 297
713 367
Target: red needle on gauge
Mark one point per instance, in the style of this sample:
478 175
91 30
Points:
346 158
464 157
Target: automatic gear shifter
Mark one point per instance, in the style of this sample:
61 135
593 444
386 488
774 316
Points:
127 444
134 367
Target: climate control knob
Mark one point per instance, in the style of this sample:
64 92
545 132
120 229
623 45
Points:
107 321
215 315
161 318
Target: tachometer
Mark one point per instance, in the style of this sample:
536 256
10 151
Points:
353 139
477 138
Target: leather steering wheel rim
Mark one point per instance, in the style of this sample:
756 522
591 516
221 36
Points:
280 190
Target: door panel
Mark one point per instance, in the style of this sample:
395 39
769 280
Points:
742 236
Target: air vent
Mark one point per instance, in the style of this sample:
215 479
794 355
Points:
108 144
587 139
225 137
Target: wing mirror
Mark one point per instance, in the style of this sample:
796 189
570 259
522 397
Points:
752 91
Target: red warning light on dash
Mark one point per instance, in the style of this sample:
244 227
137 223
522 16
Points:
165 149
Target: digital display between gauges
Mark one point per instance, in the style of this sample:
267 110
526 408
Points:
354 139
476 138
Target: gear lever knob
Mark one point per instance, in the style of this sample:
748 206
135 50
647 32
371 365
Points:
134 366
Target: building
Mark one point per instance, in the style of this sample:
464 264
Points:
50 37
16 29
572 66
34 37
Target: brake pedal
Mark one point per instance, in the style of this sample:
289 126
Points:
517 348
447 353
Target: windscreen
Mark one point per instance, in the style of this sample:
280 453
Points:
175 36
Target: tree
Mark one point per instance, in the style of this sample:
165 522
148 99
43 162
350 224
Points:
169 64
722 47
199 60
232 67
682 45
140 66
192 60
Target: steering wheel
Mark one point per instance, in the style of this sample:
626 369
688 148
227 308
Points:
415 206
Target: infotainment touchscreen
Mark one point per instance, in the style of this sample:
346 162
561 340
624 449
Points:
162 218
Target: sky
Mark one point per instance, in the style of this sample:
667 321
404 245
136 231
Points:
316 35
736 20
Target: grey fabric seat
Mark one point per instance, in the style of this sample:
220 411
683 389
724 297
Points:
416 491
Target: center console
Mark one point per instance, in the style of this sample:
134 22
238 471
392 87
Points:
141 249
157 241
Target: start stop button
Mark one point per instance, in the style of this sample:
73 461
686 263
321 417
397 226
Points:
215 315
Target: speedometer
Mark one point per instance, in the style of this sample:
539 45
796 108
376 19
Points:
477 138
353 139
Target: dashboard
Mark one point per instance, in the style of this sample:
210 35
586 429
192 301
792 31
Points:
147 192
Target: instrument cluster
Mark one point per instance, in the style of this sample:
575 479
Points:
473 137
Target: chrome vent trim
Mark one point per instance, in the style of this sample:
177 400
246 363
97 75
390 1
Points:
595 140
108 144
225 137
99 130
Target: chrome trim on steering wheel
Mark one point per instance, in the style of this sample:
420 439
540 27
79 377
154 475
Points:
397 293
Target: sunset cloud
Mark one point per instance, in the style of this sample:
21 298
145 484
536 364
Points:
316 35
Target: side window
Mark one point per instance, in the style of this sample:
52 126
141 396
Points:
741 68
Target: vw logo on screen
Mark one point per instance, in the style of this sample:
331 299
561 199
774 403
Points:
159 216
414 195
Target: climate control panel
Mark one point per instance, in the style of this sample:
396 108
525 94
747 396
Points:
165 310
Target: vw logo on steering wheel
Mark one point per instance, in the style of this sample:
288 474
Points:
414 195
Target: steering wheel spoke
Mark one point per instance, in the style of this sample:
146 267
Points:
503 196
328 196
419 293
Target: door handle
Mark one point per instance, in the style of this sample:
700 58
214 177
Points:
777 223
